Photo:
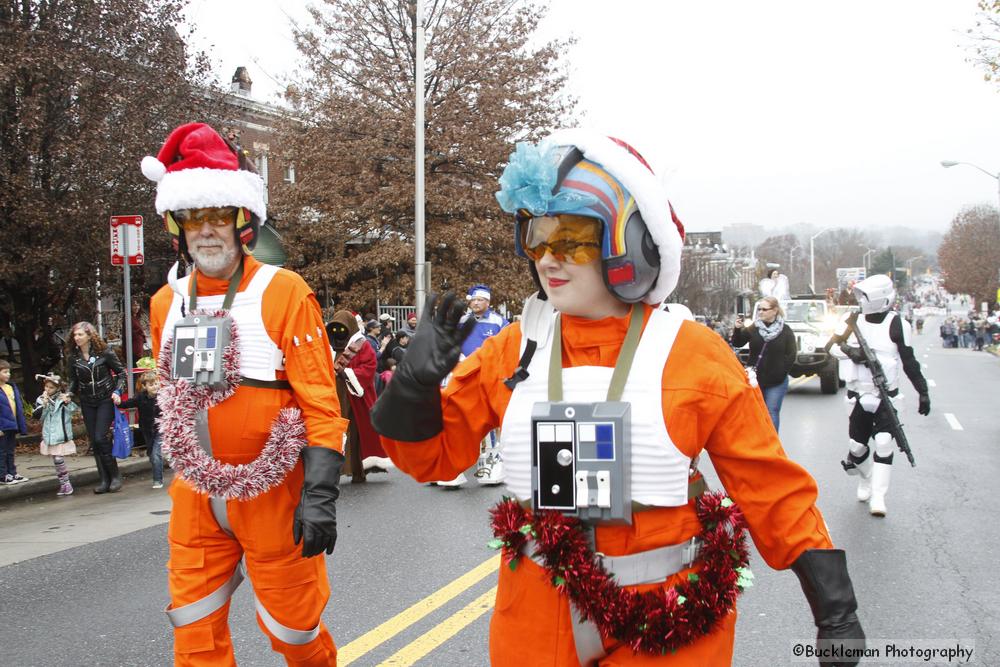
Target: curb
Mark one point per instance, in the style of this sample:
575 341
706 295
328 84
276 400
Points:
79 478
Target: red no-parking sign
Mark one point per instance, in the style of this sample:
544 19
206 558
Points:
129 226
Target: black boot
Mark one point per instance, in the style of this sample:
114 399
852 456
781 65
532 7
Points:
105 482
114 477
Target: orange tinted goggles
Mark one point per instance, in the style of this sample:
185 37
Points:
191 219
569 238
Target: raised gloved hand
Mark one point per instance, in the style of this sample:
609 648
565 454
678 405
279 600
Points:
925 404
409 409
315 522
827 586
855 354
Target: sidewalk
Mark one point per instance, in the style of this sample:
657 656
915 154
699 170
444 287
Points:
83 474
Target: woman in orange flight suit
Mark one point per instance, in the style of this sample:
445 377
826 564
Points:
581 202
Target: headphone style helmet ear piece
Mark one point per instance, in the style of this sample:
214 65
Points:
247 229
631 276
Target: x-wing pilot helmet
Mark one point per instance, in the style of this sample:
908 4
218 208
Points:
875 294
576 174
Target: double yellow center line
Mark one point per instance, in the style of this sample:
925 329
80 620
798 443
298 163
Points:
423 645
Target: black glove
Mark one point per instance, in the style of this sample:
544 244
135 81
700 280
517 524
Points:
855 354
409 409
315 522
827 586
925 404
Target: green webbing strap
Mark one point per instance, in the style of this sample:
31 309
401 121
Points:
227 303
622 366
555 364
626 355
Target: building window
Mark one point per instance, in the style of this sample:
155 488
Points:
290 173
262 170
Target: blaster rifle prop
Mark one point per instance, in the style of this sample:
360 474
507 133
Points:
878 379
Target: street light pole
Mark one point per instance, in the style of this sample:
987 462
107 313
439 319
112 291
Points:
864 259
419 261
996 177
812 260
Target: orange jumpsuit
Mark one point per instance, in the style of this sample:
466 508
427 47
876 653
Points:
292 589
708 406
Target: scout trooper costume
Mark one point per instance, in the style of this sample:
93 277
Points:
888 336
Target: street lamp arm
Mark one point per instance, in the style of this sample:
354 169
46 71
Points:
951 163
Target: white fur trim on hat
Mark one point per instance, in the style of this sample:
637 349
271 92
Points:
203 188
649 196
152 168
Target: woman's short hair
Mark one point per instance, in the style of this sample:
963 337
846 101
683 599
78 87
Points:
772 302
97 343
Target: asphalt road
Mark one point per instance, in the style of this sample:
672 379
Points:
82 579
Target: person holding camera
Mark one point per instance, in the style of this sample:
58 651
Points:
772 352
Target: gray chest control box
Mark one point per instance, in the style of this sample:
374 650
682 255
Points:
580 460
199 342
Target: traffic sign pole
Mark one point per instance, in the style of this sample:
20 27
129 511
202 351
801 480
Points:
122 253
128 315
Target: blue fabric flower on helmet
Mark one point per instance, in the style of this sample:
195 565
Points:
528 180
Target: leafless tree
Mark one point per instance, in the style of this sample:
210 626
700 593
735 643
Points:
348 220
86 89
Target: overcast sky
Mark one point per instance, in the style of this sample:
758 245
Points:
774 112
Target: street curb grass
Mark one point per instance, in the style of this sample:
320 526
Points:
79 478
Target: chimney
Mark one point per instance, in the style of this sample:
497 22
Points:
241 82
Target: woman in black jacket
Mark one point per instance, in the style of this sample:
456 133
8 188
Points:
97 378
772 352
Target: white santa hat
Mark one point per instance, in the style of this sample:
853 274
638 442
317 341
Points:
624 163
196 168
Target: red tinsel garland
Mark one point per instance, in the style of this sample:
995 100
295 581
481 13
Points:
653 622
180 401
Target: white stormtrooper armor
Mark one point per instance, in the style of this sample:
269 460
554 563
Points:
888 337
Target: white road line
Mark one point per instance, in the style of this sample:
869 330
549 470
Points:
931 383
953 422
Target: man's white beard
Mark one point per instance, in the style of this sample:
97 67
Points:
211 263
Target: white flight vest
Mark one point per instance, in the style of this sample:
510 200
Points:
259 356
659 470
857 376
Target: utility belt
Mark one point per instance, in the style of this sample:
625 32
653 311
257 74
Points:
893 393
653 566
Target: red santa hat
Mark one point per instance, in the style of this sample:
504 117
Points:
196 168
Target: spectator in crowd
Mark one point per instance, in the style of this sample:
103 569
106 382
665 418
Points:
772 353
149 410
96 380
11 423
410 327
386 375
55 410
373 334
388 322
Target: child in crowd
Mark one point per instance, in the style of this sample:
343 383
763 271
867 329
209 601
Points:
145 401
55 410
386 375
11 423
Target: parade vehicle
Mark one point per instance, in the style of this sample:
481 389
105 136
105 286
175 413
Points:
812 321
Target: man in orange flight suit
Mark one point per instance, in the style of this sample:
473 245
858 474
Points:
212 203
687 390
